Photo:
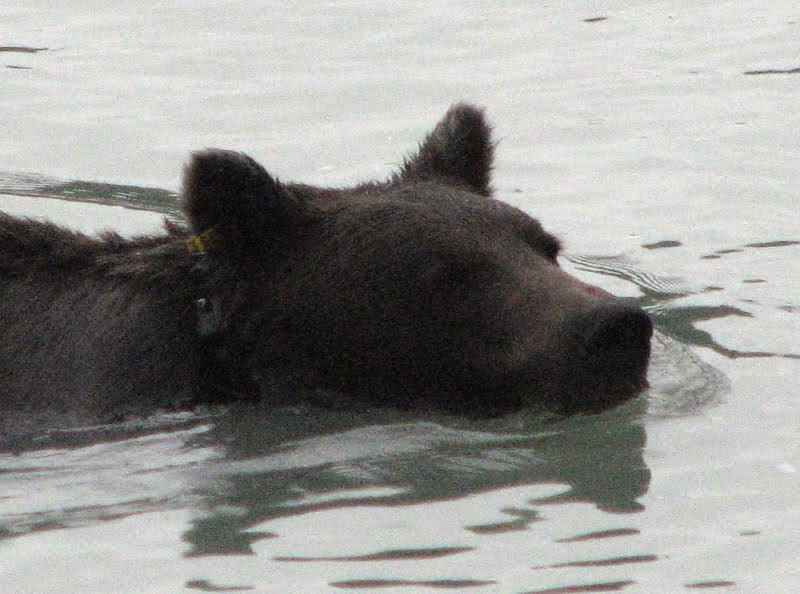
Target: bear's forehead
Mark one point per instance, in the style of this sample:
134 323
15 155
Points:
444 204
438 214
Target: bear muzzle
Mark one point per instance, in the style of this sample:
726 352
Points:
611 354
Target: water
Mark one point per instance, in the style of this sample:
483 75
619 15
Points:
670 173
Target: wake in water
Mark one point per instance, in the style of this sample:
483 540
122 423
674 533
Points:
680 382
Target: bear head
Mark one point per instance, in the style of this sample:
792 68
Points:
420 289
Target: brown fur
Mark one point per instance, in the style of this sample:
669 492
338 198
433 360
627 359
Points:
420 290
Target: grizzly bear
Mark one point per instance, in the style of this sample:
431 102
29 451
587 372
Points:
421 290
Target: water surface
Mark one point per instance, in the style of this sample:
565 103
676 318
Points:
658 139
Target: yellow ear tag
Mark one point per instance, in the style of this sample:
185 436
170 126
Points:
198 244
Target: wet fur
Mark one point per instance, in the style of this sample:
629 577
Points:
420 289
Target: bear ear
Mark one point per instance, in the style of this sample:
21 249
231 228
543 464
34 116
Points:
459 148
233 197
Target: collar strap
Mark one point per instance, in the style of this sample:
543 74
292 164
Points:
219 373
199 244
207 307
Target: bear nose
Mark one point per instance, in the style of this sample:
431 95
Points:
613 330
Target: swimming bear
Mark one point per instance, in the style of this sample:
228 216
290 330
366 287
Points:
420 290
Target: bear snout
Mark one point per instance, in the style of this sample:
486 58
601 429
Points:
617 330
612 346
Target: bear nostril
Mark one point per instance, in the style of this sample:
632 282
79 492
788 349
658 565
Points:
616 330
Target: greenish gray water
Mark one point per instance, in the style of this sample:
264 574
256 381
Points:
660 143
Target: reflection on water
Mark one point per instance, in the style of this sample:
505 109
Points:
657 245
332 459
660 296
597 459
135 197
774 71
21 49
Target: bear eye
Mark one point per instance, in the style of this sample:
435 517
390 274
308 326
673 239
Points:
549 247
545 245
